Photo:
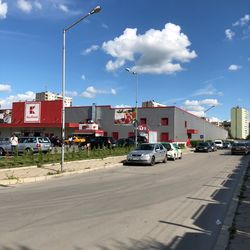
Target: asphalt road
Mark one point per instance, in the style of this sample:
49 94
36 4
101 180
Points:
177 205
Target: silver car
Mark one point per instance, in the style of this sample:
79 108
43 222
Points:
148 153
27 144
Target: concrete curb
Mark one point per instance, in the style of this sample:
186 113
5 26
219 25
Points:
224 236
49 177
22 180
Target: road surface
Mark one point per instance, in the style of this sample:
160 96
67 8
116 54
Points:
177 205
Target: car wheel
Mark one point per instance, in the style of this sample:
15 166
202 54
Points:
2 153
180 156
165 159
152 163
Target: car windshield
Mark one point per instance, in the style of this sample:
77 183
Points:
203 144
239 144
145 147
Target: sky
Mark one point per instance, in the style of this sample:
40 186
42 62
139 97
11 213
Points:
191 54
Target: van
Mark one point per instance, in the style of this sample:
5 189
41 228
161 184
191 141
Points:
219 144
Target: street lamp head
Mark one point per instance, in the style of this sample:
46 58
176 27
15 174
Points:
131 71
95 10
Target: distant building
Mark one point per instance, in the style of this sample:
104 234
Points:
49 96
151 104
239 123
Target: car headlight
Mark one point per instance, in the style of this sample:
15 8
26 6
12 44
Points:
145 156
205 147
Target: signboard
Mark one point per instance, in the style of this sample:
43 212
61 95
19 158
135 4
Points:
32 112
5 115
201 136
124 116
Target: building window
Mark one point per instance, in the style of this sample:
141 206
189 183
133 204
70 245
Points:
164 137
143 121
185 124
115 135
164 121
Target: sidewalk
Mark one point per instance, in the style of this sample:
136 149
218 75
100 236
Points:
240 230
50 171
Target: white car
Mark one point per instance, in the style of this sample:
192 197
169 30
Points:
173 150
219 144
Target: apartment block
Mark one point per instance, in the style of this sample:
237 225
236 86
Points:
239 122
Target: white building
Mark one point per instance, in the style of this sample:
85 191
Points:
49 96
239 123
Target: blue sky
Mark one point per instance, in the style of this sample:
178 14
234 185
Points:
192 54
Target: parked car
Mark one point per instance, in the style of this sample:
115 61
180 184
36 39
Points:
240 148
99 142
203 147
125 142
173 151
213 146
28 144
219 144
227 145
140 139
147 153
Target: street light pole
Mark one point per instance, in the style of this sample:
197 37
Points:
136 104
93 11
204 124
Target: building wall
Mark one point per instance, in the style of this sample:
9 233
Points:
179 121
185 121
239 123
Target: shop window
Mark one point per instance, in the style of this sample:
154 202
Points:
164 137
143 121
115 135
185 124
164 121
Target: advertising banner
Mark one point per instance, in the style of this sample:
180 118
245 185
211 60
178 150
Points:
125 116
5 115
32 112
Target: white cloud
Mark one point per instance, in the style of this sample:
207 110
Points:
63 8
229 34
234 67
38 5
208 90
3 9
199 107
24 6
71 93
5 88
27 96
209 102
242 21
105 26
122 106
91 92
155 52
214 119
90 49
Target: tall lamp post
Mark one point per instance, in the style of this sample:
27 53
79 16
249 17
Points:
93 11
136 103
204 136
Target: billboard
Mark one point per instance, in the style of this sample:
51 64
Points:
5 115
125 116
32 112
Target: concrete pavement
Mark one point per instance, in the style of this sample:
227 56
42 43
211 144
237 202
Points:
239 212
